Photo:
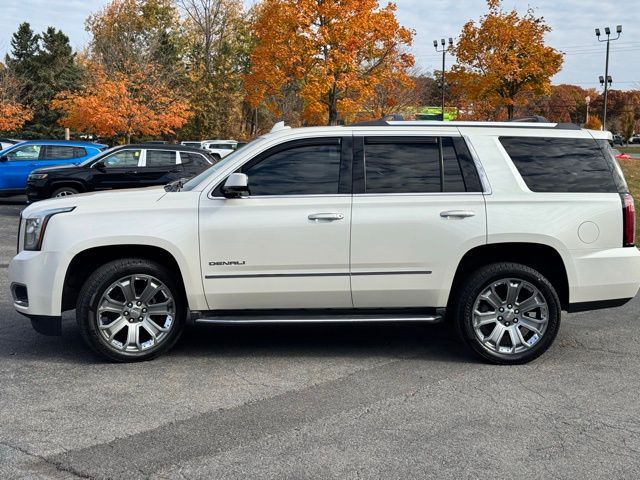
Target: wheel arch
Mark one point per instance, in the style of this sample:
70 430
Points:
543 258
84 263
56 184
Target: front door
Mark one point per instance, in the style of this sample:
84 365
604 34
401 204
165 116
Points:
418 207
16 166
118 170
286 245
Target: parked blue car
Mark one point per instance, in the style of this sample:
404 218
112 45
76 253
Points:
17 161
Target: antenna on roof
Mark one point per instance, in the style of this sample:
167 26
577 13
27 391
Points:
279 126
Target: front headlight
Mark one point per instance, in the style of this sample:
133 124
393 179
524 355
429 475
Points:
38 176
36 224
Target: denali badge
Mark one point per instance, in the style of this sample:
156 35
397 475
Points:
230 262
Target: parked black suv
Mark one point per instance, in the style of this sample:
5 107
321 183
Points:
127 166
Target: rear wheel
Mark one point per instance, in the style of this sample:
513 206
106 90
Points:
507 313
131 310
64 192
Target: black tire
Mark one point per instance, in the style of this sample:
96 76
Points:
66 190
476 283
95 287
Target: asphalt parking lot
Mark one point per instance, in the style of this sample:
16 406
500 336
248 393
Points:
344 402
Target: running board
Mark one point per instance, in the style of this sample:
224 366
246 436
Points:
288 318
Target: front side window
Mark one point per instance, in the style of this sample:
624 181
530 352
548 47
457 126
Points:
160 158
298 170
122 159
28 152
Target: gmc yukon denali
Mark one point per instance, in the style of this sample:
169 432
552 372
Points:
495 227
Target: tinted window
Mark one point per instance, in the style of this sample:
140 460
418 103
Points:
221 146
453 180
560 164
28 152
193 159
303 170
160 158
58 152
79 152
402 167
122 159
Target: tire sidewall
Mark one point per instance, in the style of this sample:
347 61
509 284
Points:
95 287
484 277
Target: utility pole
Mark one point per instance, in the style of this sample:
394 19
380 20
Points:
607 79
444 52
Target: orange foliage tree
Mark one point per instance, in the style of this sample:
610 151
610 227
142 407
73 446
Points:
12 113
502 60
333 53
123 104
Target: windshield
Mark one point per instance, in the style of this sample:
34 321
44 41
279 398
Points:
101 154
197 180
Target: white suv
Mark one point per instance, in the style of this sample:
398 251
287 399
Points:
496 227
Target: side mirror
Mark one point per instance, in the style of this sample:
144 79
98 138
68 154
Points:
236 186
100 166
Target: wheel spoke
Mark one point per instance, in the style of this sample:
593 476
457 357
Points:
484 318
114 327
496 334
492 298
151 328
150 291
516 339
110 305
513 290
530 303
161 308
128 289
133 336
526 323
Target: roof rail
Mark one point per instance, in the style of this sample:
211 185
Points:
530 119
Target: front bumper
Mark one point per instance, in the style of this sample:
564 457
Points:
42 279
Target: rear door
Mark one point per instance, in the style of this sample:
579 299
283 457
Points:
159 168
418 207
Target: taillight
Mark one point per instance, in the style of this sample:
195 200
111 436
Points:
628 221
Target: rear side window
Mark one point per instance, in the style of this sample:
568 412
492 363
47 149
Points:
193 159
569 165
160 158
414 165
79 152
58 152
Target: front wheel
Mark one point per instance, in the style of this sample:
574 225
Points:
507 313
64 192
130 310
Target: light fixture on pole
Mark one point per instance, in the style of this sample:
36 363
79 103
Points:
444 52
607 32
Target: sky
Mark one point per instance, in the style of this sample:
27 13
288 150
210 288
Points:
573 23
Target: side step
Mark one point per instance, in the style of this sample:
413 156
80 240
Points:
298 317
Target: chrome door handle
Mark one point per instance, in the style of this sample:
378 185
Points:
327 217
457 214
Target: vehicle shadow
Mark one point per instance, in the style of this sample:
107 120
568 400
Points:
430 342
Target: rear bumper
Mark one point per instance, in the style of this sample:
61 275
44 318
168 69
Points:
611 275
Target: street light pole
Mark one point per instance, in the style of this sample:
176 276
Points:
442 82
607 78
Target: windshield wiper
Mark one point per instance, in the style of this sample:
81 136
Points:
176 185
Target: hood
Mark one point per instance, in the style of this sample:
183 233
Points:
127 199
55 168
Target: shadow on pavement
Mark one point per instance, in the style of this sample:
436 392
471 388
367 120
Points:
429 342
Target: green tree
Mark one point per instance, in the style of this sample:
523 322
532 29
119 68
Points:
44 65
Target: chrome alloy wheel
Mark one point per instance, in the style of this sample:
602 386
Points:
135 313
510 316
65 193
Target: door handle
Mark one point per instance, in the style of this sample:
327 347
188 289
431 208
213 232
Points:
457 214
327 217
131 172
